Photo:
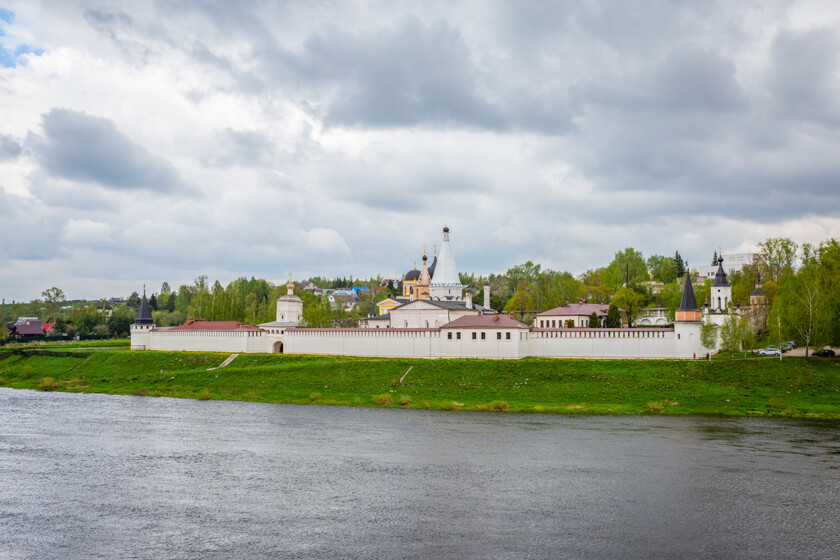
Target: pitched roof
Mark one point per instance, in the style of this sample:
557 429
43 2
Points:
688 303
202 325
144 314
720 276
31 327
577 309
484 322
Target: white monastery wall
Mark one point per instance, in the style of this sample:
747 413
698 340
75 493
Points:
393 343
603 343
242 342
681 342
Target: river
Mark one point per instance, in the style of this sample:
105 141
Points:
99 476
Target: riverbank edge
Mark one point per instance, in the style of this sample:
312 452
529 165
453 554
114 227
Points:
795 388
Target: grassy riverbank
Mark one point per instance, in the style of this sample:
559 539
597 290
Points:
794 387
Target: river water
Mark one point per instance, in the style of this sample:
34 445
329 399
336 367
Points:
98 476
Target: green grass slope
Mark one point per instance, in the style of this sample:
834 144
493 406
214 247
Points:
794 387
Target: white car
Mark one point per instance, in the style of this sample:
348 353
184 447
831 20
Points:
769 351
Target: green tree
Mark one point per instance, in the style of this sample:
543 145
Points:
594 322
775 255
679 265
133 301
613 317
153 302
631 302
53 298
4 332
801 306
708 335
662 268
120 321
165 289
627 263
522 302
671 296
731 335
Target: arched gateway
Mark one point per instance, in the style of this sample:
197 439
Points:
277 348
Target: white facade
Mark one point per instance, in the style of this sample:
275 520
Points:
681 341
731 263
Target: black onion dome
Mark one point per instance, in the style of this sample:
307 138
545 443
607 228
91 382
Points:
445 229
144 314
425 258
412 274
720 276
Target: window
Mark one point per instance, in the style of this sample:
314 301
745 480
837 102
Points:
553 324
458 335
449 335
498 336
473 336
482 336
507 336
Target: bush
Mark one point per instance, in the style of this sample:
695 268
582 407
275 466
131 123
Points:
405 400
499 406
382 399
48 384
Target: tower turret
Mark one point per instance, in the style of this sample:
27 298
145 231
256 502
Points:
721 292
289 307
446 283
421 290
143 325
687 311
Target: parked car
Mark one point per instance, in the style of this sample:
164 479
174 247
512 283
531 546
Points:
785 347
824 353
791 343
769 351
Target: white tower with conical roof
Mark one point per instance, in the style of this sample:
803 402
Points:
446 284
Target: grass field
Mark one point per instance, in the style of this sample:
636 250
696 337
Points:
794 387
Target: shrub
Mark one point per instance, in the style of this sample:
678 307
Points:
654 407
382 399
405 400
48 384
499 406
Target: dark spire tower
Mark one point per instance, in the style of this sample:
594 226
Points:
687 311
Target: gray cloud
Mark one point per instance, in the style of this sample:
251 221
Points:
663 125
805 76
234 147
9 148
81 147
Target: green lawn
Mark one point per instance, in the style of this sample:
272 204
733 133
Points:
795 387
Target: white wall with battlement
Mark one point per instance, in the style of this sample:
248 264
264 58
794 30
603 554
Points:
681 341
241 342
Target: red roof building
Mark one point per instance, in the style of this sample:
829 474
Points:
484 322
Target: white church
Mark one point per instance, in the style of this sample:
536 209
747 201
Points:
437 321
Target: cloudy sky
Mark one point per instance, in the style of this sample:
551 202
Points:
143 142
